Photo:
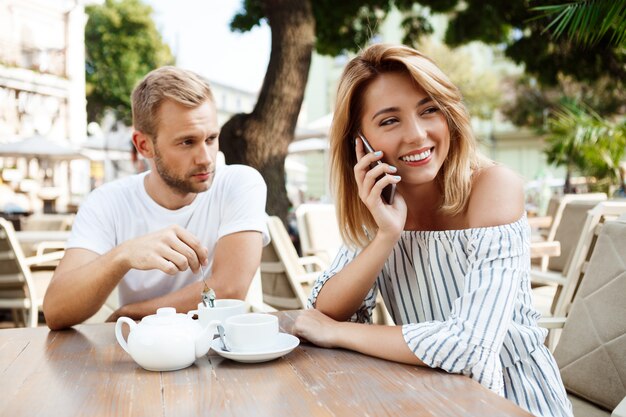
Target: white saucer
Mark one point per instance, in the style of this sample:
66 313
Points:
284 344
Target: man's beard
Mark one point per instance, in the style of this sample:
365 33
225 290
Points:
180 185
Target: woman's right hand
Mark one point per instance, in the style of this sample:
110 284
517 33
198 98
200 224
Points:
390 218
315 327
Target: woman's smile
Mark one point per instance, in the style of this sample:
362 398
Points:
418 157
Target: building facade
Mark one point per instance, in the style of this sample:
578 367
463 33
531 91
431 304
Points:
42 69
42 93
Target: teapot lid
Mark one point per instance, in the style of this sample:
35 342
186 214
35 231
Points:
164 316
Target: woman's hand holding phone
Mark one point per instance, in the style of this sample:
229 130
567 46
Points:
389 191
371 178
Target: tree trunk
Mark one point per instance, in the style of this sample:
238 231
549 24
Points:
260 139
567 186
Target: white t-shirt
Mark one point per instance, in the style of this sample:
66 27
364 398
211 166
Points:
123 210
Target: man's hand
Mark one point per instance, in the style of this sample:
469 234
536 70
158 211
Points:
170 250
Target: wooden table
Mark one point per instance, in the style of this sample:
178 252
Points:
83 371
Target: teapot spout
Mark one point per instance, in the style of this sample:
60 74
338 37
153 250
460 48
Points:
204 339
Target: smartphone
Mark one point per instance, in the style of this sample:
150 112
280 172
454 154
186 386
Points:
390 190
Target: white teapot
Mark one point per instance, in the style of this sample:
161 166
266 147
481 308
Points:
165 341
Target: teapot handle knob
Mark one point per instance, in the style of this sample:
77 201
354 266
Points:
118 331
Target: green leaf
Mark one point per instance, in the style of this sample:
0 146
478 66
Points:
122 45
586 21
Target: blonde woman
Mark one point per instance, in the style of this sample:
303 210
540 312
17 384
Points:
450 255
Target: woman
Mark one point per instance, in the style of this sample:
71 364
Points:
450 256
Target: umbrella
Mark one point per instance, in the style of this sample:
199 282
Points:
39 147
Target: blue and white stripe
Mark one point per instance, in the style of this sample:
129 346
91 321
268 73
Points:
464 300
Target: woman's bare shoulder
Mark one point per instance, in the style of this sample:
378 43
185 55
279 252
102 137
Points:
497 197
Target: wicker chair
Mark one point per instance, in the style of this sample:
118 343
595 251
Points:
22 289
284 280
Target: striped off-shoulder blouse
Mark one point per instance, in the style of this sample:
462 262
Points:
463 299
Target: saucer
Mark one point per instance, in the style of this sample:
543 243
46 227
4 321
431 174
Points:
285 343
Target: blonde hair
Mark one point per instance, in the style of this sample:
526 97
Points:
182 86
463 158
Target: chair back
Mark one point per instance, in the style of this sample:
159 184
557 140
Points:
17 290
280 269
565 226
558 203
591 352
553 205
319 230
568 233
585 247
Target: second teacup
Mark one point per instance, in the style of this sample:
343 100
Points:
252 332
223 309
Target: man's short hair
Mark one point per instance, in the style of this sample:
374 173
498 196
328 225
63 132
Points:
179 85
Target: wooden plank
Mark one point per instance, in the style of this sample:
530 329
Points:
262 389
79 372
25 350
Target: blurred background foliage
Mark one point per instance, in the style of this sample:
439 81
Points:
122 45
583 141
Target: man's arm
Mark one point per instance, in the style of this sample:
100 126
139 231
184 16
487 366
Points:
80 285
237 257
83 280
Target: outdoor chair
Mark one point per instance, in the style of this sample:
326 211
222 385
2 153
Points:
558 202
567 282
319 230
567 234
46 222
554 224
320 236
283 277
547 278
21 289
254 297
591 352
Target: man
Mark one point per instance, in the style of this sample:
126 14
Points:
150 233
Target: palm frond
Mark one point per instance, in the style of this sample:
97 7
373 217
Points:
586 21
579 137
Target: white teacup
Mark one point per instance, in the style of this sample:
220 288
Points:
251 332
223 309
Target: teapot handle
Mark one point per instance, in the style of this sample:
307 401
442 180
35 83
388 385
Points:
118 331
205 338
